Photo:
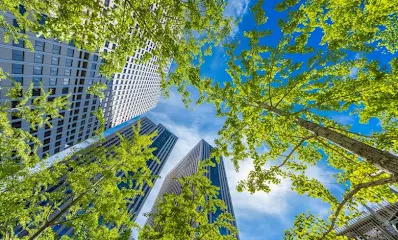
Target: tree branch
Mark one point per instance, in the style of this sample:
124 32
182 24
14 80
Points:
363 135
293 150
295 85
351 194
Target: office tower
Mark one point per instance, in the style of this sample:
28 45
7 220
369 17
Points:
64 69
376 223
189 166
164 143
133 91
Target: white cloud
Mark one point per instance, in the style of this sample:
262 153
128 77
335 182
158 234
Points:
246 205
236 9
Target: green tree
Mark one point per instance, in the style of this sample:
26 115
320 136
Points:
351 24
279 95
185 215
85 191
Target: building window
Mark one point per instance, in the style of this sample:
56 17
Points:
95 58
36 92
37 70
56 49
18 80
65 90
17 55
67 72
14 105
36 81
92 74
53 81
69 62
47 134
66 81
17 68
53 71
39 46
18 43
38 58
46 141
54 60
16 124
53 91
70 52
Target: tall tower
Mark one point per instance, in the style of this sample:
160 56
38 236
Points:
189 166
164 144
63 69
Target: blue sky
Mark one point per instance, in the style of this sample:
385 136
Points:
260 215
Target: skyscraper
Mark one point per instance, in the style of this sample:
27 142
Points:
189 166
376 223
164 143
64 69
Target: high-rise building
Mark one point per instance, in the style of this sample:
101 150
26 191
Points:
379 222
189 166
164 143
64 69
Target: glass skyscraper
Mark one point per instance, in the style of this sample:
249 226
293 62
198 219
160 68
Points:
164 144
189 166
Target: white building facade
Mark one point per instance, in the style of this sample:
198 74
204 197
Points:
64 69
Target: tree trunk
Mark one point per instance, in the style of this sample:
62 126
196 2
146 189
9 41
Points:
383 160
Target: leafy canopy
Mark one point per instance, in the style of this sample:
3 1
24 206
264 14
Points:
83 191
281 96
